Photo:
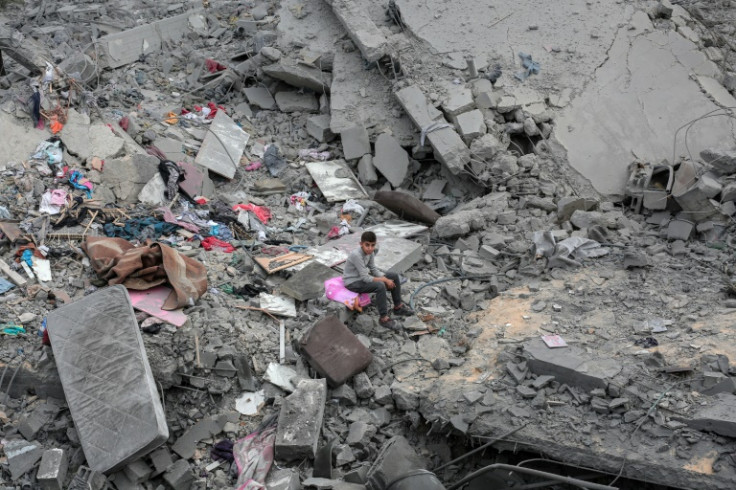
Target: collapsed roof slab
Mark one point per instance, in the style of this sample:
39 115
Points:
483 395
364 33
636 102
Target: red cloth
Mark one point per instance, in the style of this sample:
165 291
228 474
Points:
124 122
261 212
211 243
213 66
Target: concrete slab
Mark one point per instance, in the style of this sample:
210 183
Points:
318 128
295 102
458 99
21 456
717 416
208 427
355 142
367 37
260 97
309 282
571 365
109 387
391 159
397 228
336 181
641 95
128 46
300 76
300 420
366 171
223 146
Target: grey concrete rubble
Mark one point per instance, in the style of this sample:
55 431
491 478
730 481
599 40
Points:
560 220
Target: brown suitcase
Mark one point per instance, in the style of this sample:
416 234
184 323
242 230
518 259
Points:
334 351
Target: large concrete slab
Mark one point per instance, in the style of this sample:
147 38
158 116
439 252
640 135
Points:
128 46
223 146
635 103
300 420
108 384
365 34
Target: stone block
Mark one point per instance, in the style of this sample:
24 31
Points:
138 471
391 159
355 142
459 99
162 460
367 171
571 365
115 405
318 127
460 223
334 351
179 476
260 97
360 26
300 420
470 125
52 470
679 229
295 102
404 397
21 456
309 282
301 76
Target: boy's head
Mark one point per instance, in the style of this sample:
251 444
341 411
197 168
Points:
368 242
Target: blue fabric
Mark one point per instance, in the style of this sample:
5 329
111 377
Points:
5 285
74 178
532 67
140 229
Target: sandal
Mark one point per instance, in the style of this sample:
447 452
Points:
403 310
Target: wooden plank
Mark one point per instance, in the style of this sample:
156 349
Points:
16 278
275 264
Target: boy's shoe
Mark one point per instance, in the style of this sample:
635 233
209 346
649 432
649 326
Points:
388 323
403 310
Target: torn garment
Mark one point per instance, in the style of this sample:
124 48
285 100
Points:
119 262
254 456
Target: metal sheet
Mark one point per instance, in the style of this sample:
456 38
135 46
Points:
336 180
107 380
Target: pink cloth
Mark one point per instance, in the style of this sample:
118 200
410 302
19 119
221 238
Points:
261 212
336 291
254 456
58 197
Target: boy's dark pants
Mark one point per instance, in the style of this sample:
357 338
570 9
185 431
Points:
380 289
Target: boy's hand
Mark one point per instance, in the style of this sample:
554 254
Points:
389 283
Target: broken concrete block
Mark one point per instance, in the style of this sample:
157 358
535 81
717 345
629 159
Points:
300 76
162 460
728 193
566 206
404 397
391 159
260 97
487 146
360 26
309 282
355 142
460 223
363 386
115 425
366 171
717 417
223 146
709 186
459 99
179 476
208 427
334 351
571 365
318 127
679 229
52 470
22 456
138 471
295 102
449 148
470 125
300 420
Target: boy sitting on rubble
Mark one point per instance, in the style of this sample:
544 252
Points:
362 276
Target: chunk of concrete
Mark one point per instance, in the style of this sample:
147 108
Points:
223 146
22 456
391 159
179 476
395 459
285 479
260 97
318 127
449 148
138 471
300 420
366 171
300 76
109 387
52 470
566 206
571 365
459 99
125 177
718 416
470 125
355 142
309 282
362 30
334 351
295 102
208 427
460 223
722 161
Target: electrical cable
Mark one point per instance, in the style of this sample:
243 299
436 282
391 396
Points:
529 471
481 448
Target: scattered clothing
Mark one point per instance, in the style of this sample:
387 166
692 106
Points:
79 181
213 66
170 218
212 243
223 451
172 174
253 166
34 103
254 457
261 212
532 67
120 262
140 229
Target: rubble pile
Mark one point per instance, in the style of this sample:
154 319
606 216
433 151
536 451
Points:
181 184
